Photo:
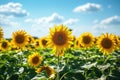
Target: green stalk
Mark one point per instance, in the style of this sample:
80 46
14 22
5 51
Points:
58 67
64 75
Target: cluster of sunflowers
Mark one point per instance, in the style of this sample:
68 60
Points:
59 40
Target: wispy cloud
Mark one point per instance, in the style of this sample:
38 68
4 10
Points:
6 21
13 9
88 7
8 13
114 20
110 24
54 18
44 23
71 21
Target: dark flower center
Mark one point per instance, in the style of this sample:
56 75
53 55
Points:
59 38
106 43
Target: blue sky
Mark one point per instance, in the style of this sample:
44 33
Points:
37 16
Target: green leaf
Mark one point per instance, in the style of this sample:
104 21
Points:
103 67
14 77
94 72
74 76
32 73
2 63
2 70
88 66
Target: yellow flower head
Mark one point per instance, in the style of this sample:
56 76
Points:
72 45
77 44
50 71
117 42
60 37
86 39
43 42
4 45
34 59
1 33
39 70
106 43
118 39
37 43
19 38
30 39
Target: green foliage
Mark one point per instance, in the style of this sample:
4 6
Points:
74 65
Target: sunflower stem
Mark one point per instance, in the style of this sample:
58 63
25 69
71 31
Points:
58 66
64 75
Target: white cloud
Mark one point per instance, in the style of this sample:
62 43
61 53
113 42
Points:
8 25
42 25
6 21
54 18
71 21
88 7
8 13
111 25
98 29
28 20
114 20
13 9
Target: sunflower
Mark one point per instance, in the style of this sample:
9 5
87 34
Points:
4 45
43 42
1 33
117 41
86 39
50 71
60 37
30 39
34 59
39 70
20 38
95 40
106 43
77 44
72 45
14 48
37 43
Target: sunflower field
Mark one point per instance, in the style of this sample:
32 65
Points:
59 56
